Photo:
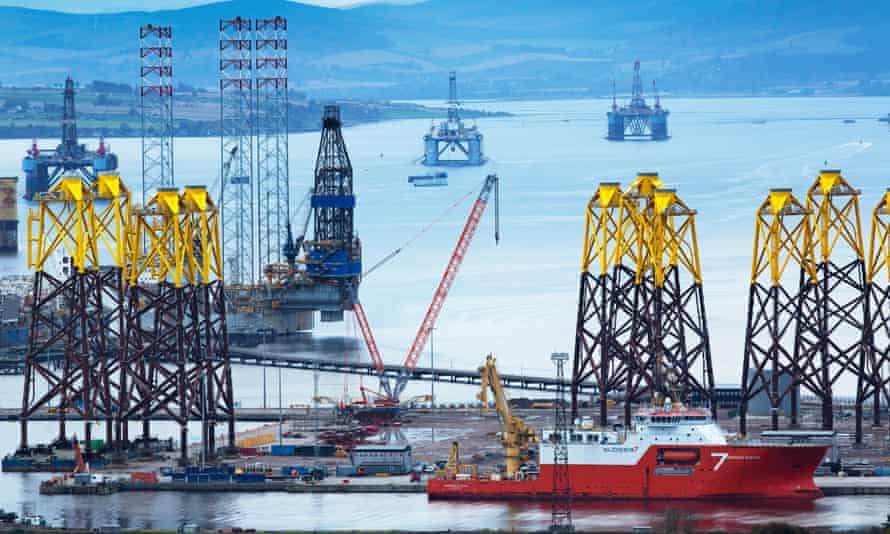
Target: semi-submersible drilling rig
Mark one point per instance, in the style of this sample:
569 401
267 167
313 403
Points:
322 273
637 120
44 167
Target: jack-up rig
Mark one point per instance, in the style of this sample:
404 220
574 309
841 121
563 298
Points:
637 120
278 275
451 135
327 276
43 167
387 398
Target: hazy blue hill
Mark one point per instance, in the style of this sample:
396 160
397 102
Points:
515 48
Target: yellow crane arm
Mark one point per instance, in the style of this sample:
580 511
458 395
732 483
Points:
516 434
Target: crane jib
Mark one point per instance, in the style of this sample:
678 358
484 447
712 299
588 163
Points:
438 301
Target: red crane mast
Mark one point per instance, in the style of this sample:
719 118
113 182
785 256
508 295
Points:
432 314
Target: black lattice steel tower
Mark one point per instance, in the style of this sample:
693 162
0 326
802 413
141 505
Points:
641 316
156 105
678 321
79 313
335 251
595 354
874 382
70 147
561 498
630 302
830 340
272 155
236 148
782 246
453 102
636 99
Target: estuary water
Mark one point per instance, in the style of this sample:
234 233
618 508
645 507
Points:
516 299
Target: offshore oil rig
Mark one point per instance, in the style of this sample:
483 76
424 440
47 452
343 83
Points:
464 143
277 275
326 277
637 120
43 167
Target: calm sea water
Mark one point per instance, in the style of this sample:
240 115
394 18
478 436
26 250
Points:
516 300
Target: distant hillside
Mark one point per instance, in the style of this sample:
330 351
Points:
501 49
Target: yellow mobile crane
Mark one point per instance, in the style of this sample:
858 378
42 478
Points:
515 434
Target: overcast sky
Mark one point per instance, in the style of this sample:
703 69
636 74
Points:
96 6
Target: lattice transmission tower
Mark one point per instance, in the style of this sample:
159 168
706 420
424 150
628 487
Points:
561 499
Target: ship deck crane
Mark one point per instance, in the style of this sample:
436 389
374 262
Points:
515 434
392 392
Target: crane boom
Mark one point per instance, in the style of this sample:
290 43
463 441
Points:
516 434
457 258
423 333
371 343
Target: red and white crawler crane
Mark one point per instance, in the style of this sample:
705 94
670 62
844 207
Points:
391 393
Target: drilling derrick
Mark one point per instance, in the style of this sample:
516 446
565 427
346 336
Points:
334 255
451 135
80 314
43 167
782 241
637 120
874 382
156 106
829 342
236 148
272 156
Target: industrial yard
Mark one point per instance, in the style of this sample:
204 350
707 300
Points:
268 329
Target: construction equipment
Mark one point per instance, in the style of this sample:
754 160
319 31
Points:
515 435
453 467
393 391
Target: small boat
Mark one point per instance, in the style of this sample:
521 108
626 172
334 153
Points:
849 121
438 179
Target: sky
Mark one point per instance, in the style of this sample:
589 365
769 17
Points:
96 6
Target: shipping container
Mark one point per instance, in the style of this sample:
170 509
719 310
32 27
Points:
282 450
250 477
144 476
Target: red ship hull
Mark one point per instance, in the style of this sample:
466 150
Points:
716 472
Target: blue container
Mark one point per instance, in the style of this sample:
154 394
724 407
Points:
14 336
250 477
346 470
178 477
282 450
